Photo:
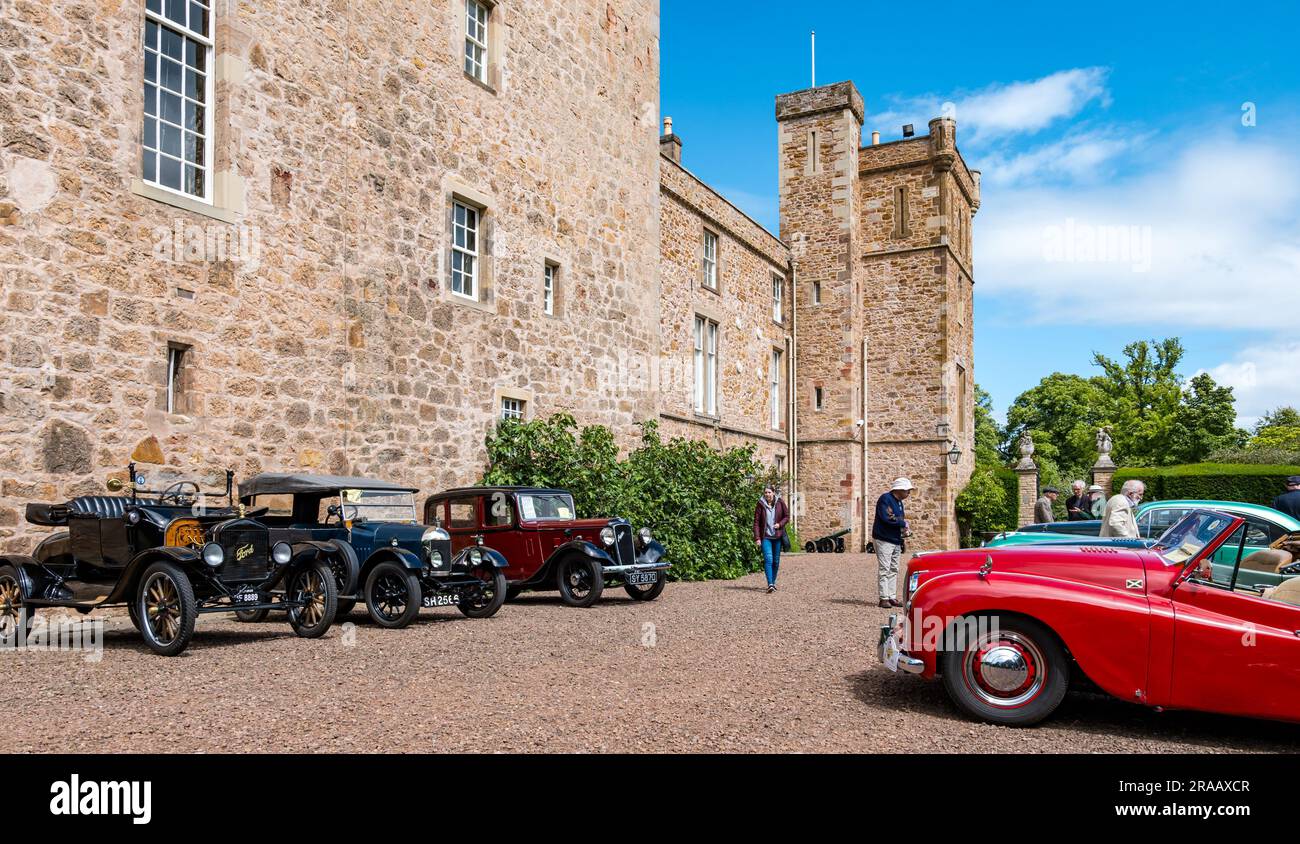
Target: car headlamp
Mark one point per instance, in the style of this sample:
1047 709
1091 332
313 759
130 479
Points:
913 581
435 534
607 535
213 554
645 535
475 556
281 553
435 559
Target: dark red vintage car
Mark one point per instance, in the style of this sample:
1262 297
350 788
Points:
1009 629
547 546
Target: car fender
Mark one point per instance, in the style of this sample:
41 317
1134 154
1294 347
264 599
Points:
337 548
652 553
32 578
401 556
580 546
186 558
1105 630
495 557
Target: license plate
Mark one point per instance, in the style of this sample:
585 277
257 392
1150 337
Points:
892 650
247 596
643 578
441 599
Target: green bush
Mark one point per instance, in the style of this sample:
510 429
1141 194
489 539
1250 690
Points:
1247 483
987 504
699 501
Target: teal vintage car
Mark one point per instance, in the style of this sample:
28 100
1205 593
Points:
1263 527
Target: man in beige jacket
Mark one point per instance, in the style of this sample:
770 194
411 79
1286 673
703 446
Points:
1119 520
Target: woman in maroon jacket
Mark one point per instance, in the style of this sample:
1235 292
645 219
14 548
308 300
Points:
770 517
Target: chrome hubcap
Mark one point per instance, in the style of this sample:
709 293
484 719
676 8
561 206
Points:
1004 668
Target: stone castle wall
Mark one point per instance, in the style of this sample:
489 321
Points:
748 257
339 145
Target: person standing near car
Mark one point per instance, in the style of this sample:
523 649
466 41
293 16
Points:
889 534
1120 520
1077 505
1096 501
1289 501
1043 509
770 518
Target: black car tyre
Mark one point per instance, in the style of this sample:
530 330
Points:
166 608
315 588
252 616
346 605
1014 673
14 612
648 592
581 580
134 613
487 599
393 595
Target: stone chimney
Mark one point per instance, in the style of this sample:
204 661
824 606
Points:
669 144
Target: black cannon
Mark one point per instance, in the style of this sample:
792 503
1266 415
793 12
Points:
827 544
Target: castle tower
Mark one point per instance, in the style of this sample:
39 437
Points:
881 237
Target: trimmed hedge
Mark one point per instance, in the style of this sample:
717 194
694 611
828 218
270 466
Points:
1244 482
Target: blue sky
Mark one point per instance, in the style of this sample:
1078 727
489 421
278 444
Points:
1123 198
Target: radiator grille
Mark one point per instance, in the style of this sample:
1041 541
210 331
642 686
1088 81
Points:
623 542
247 557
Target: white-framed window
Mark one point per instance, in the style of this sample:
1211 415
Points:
176 139
464 250
175 377
774 387
476 39
548 289
817 293
710 260
512 410
706 366
778 296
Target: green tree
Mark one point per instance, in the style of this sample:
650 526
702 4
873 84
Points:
1277 430
1205 422
1143 394
988 434
1062 414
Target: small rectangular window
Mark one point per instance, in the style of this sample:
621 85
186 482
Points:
813 152
476 40
817 292
175 378
900 211
778 296
817 398
706 366
512 410
176 138
464 250
548 289
710 260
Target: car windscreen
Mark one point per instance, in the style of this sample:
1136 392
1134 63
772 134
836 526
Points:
1189 537
546 506
378 505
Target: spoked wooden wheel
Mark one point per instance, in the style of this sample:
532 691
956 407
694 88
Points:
315 597
166 608
14 615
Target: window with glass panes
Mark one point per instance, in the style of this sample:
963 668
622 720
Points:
548 289
706 366
464 250
176 140
710 260
476 39
512 409
778 293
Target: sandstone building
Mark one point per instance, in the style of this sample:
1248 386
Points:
349 237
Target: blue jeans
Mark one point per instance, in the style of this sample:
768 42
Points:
771 559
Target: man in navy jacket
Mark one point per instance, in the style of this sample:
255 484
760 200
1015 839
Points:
889 532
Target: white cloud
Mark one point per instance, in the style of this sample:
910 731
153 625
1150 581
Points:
1082 157
1000 110
1263 378
1212 236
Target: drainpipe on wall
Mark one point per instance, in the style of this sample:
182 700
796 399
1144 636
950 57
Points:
792 434
866 506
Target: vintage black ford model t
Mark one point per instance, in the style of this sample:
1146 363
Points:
168 556
379 552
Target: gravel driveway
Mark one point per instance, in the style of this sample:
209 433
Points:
708 667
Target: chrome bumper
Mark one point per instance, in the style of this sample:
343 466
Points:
660 566
906 663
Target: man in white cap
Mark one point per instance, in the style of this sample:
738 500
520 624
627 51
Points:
889 533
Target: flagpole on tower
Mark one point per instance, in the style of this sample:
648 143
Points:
814 58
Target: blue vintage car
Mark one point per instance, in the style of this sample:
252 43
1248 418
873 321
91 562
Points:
367 530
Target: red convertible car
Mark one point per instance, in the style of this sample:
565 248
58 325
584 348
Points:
1009 629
